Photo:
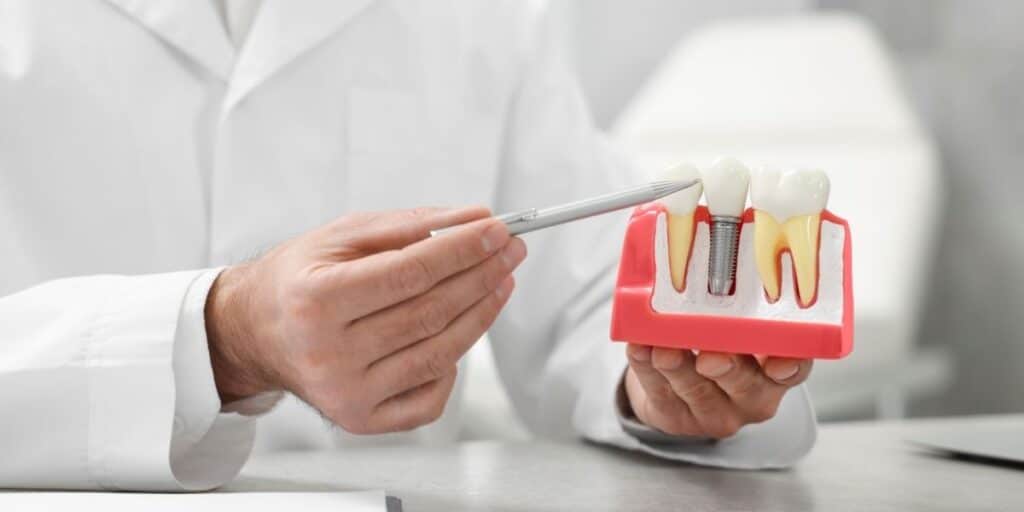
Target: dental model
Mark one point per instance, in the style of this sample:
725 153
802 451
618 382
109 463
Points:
778 277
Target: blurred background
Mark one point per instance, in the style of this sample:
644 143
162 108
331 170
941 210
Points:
915 110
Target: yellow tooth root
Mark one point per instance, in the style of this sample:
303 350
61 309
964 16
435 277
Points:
800 236
680 239
768 245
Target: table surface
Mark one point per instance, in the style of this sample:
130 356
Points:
855 466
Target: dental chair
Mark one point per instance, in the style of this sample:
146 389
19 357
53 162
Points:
819 91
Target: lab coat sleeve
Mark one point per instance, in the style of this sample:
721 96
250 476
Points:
88 388
551 343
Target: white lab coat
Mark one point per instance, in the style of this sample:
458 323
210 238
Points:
139 152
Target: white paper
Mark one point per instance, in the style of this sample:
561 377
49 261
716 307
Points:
359 501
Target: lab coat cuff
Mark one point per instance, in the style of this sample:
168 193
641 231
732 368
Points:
256 405
211 440
196 402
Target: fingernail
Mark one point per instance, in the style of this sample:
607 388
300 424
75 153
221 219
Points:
714 366
494 237
783 371
666 359
513 254
643 354
505 288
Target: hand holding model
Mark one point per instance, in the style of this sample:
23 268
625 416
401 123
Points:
708 394
364 318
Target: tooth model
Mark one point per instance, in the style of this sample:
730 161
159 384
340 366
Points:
679 222
725 188
787 216
791 289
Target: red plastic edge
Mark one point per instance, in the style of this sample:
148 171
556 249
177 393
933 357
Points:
635 321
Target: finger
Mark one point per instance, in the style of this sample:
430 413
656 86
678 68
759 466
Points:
416 407
786 371
660 407
711 407
373 232
743 380
391 329
384 279
429 359
655 385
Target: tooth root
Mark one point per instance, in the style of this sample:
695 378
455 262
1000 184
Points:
680 239
802 238
768 245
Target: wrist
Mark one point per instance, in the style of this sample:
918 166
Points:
232 347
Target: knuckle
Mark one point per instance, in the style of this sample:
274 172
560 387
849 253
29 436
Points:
677 427
727 427
493 276
408 367
469 254
436 365
488 313
411 276
404 424
700 395
436 408
420 212
301 303
439 399
661 394
745 386
352 419
416 420
433 316
425 413
764 411
665 359
359 428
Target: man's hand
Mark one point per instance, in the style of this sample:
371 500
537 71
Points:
710 394
364 318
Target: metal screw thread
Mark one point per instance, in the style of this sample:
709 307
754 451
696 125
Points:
725 241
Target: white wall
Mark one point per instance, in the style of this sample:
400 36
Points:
619 42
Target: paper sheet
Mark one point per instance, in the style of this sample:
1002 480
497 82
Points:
360 501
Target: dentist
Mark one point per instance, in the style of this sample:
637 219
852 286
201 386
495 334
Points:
207 205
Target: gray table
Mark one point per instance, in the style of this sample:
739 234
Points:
856 466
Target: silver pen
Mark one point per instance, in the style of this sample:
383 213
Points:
540 218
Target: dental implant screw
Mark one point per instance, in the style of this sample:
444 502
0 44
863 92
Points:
725 241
